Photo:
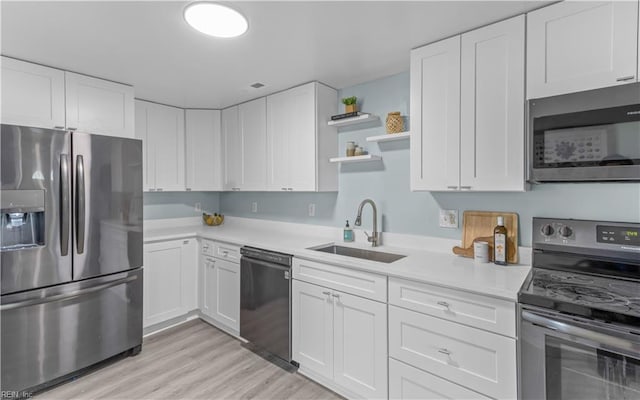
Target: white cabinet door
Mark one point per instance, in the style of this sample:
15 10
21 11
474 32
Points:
360 345
203 150
232 149
312 326
581 45
32 95
407 382
291 139
98 106
169 280
435 116
161 129
208 286
492 107
252 117
227 294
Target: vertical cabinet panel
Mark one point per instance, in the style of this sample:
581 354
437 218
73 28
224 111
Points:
291 139
32 95
162 130
98 106
169 280
360 340
227 294
232 145
252 118
312 320
435 116
574 46
203 149
492 107
208 284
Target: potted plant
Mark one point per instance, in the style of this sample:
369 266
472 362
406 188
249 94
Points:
350 104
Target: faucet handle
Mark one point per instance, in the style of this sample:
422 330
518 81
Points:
369 238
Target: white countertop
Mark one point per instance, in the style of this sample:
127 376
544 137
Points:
436 267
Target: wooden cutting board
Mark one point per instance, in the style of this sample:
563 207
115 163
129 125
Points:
479 225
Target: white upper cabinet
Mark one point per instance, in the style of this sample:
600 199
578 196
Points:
467 108
98 106
32 95
252 118
492 107
299 141
232 149
581 45
203 150
162 130
435 116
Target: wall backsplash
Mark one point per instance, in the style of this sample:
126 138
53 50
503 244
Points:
179 204
403 211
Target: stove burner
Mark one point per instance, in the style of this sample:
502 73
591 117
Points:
583 293
551 277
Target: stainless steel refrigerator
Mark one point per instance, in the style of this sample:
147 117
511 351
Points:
71 253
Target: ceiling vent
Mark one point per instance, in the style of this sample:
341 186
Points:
257 85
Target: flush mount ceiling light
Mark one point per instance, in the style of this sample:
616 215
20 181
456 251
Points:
215 20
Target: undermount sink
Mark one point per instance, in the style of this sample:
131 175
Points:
359 253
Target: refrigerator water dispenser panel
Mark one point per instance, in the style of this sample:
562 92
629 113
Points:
23 216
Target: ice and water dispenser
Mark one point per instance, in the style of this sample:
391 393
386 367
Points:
22 219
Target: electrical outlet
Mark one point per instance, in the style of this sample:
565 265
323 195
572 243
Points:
198 207
312 209
254 207
448 218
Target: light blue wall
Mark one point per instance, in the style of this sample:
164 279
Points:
178 204
387 182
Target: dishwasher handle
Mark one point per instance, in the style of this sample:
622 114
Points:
265 264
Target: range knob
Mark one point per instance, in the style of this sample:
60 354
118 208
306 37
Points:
565 231
547 230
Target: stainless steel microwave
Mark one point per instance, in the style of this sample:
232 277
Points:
587 136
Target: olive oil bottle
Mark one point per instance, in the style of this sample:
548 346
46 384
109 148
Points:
500 243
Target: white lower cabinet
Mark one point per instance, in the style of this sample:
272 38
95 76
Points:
341 339
220 289
170 280
482 361
407 382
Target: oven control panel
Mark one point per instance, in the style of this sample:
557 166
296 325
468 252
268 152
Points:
584 234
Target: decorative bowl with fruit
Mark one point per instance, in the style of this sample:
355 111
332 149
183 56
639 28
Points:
213 220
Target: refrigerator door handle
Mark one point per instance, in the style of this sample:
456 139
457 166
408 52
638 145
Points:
64 204
66 296
80 204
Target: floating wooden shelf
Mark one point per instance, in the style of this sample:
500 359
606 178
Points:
355 159
360 119
390 137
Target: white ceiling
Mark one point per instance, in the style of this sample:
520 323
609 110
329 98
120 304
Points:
147 44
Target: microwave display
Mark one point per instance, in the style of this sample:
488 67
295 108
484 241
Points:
577 140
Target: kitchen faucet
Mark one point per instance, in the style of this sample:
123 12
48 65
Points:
374 236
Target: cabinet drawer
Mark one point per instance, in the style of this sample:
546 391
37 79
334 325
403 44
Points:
466 308
407 382
227 252
351 281
207 247
480 360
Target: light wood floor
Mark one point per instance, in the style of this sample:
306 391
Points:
191 361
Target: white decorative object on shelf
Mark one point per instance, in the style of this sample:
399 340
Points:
355 159
389 137
362 118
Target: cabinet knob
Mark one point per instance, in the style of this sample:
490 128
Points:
337 296
444 351
185 242
444 304
326 293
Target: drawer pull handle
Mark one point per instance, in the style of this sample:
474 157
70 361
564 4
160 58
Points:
336 295
444 304
444 351
326 293
452 187
625 78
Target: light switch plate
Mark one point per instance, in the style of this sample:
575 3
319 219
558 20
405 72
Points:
254 207
448 218
198 207
312 209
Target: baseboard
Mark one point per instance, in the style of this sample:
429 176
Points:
170 323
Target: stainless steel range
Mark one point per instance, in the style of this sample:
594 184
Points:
580 312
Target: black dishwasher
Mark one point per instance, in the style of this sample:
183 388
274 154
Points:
265 302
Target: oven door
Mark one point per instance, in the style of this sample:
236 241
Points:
572 358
